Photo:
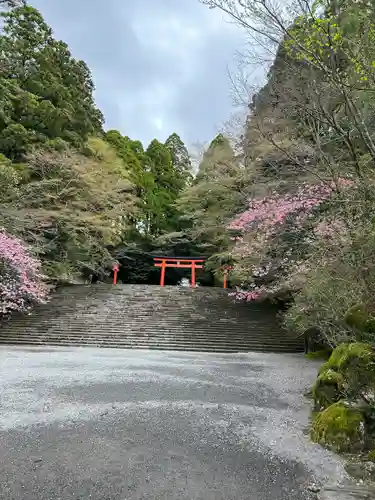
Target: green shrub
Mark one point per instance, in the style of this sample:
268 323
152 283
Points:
361 320
339 285
356 317
349 357
340 428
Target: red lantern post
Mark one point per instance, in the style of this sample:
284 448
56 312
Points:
226 270
115 271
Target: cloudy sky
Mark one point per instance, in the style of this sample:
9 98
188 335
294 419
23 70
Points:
159 66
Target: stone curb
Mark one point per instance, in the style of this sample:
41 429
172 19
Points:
349 492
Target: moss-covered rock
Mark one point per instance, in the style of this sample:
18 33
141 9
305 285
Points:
349 371
348 374
325 366
338 354
339 427
328 389
357 365
335 359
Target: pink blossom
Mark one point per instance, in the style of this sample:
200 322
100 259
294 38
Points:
268 213
267 216
21 281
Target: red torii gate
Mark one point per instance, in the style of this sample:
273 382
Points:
192 263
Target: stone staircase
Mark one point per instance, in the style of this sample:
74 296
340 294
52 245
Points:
150 317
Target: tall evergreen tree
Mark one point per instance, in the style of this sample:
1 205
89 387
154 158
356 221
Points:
180 158
138 163
164 193
45 94
215 195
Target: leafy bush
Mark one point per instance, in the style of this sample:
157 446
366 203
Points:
341 275
21 284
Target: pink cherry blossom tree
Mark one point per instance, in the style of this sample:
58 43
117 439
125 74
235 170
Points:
21 280
273 235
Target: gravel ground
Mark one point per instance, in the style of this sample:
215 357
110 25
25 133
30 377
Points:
105 424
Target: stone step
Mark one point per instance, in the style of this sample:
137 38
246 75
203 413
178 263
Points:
165 347
114 318
150 330
149 338
135 338
150 317
171 315
142 324
191 329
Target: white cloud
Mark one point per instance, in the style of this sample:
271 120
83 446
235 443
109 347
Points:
159 65
158 122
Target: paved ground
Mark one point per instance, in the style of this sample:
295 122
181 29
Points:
105 424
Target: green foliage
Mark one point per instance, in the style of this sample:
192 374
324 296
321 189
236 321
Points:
77 199
71 208
339 427
357 317
133 156
357 364
10 179
341 273
212 199
360 319
159 174
44 92
338 354
180 160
